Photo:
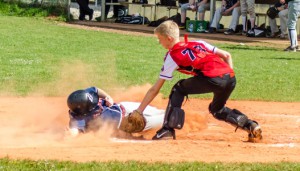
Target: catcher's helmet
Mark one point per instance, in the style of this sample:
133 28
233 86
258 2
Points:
81 102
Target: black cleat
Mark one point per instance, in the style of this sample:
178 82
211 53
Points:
254 130
229 32
292 49
164 133
212 30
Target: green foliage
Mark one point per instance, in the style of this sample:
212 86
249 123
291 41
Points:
7 164
265 73
37 54
21 9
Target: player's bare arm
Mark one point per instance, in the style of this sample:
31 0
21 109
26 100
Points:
226 56
102 94
151 94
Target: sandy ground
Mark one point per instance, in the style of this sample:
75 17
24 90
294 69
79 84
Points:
33 128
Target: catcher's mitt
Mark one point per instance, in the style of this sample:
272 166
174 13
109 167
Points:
272 12
133 123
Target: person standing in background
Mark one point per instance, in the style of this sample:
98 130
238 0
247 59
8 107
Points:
84 9
248 6
293 13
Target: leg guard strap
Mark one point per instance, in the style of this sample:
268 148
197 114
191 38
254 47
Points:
234 117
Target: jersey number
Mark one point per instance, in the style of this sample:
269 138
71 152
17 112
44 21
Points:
190 53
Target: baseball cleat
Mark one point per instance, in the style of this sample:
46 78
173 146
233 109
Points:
254 130
164 133
292 49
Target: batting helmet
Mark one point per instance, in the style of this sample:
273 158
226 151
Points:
81 102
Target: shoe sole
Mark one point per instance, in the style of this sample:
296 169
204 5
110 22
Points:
290 50
162 138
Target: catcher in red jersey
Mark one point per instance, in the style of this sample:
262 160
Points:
212 72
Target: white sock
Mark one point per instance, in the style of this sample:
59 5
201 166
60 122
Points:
244 21
252 21
293 37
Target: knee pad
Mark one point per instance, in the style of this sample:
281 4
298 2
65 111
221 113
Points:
176 118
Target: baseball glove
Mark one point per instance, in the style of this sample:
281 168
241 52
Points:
272 12
133 123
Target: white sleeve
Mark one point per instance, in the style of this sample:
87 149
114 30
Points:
208 46
168 68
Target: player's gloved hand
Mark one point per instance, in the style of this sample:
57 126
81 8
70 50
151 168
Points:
133 123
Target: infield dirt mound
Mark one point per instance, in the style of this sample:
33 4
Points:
33 127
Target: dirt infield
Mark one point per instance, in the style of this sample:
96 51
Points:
33 127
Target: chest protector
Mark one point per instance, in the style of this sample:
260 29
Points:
195 59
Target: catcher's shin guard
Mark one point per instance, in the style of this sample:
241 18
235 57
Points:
174 116
240 120
237 118
234 117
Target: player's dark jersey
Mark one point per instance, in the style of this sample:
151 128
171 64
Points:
101 113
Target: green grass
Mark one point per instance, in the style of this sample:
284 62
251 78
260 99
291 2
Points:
43 57
34 9
25 165
39 55
265 73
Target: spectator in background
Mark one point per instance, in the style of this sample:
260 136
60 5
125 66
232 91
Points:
193 5
115 10
229 7
293 13
248 6
281 6
84 9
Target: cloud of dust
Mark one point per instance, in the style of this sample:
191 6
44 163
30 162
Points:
136 94
41 121
194 121
72 75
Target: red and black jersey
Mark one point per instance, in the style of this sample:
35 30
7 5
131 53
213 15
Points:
194 58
